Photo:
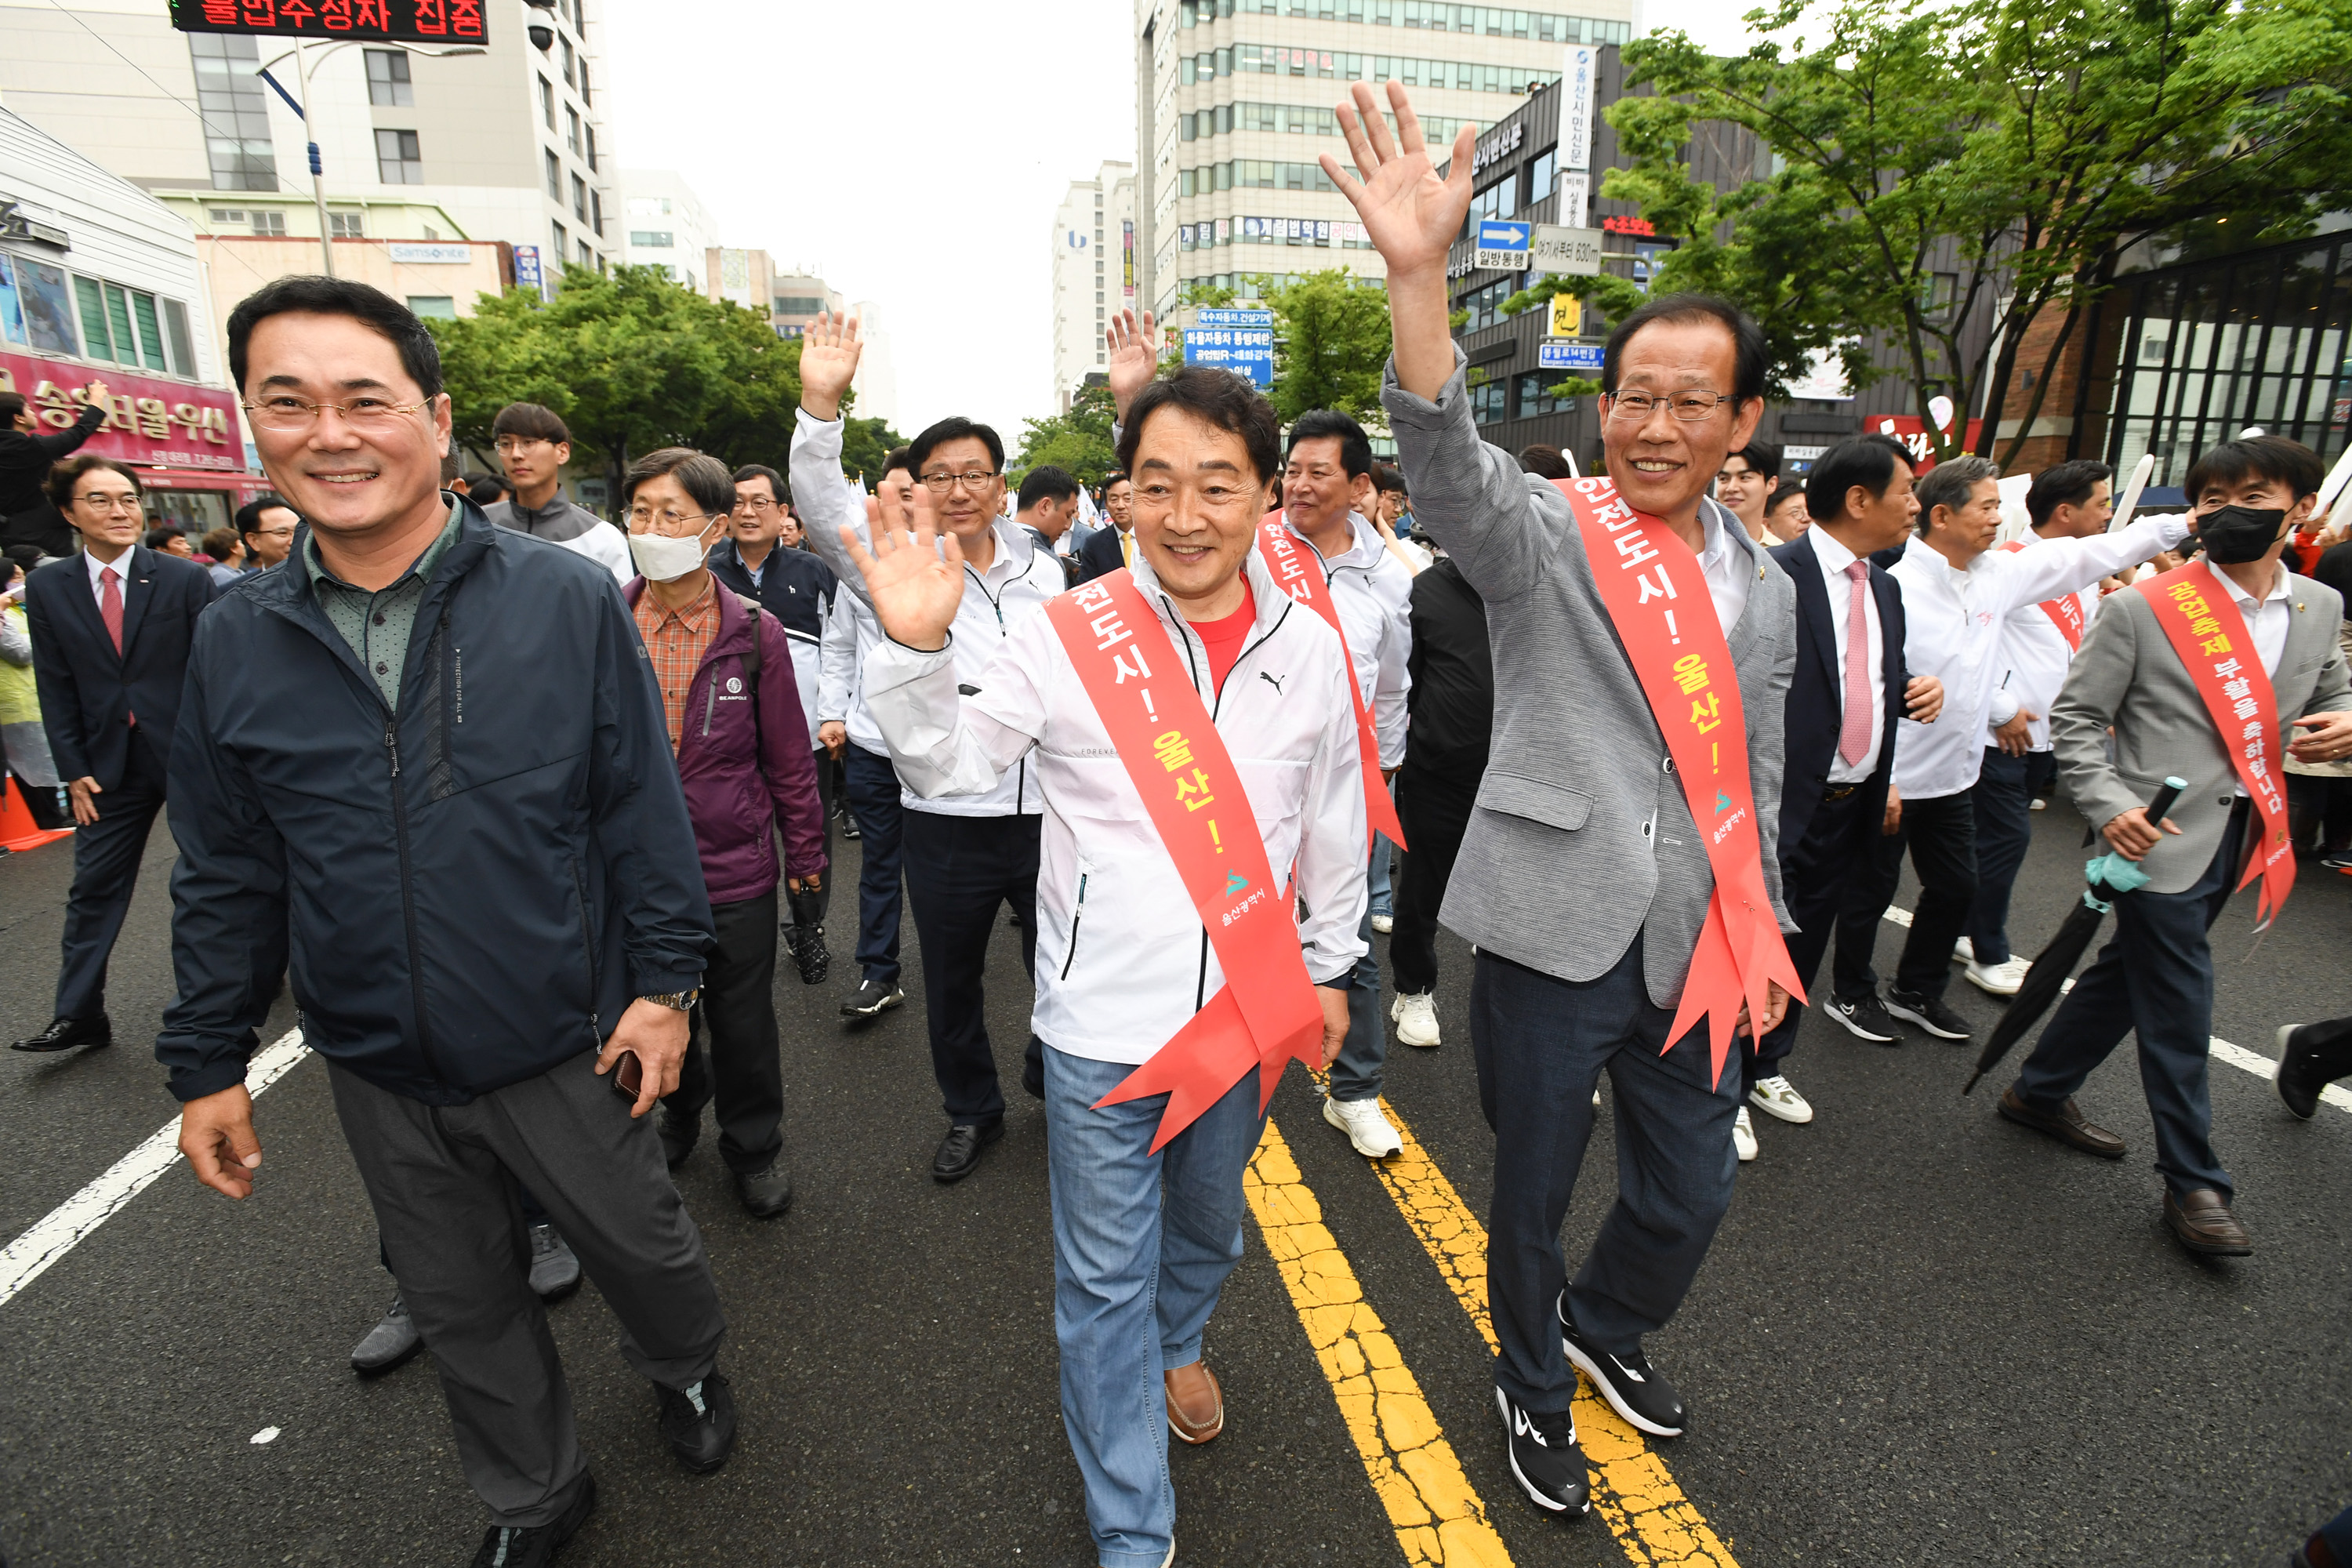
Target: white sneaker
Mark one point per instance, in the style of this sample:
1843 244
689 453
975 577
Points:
2001 979
1743 1136
1416 1020
1366 1128
2038 805
1384 923
1964 952
1776 1097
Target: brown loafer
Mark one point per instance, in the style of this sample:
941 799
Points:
1196 1405
2201 1222
2066 1125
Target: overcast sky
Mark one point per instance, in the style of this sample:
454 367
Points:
911 153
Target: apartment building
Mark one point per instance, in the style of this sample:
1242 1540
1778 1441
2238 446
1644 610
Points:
1094 273
667 226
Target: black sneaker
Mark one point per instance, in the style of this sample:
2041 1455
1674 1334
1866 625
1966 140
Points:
872 1000
1634 1389
698 1422
1929 1013
1864 1017
504 1546
554 1267
390 1343
1544 1457
809 954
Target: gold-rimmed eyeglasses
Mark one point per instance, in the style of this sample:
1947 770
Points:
976 480
1690 407
676 524
286 413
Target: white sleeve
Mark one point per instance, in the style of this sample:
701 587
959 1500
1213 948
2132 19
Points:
821 494
837 663
609 547
943 742
2058 566
1331 845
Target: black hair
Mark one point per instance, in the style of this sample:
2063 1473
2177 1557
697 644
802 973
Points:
2064 484
249 516
954 427
1115 476
1355 446
895 457
1865 460
1761 456
2290 463
704 479
420 356
1752 353
533 422
162 534
1387 479
12 404
1545 462
776 486
67 473
1046 482
1216 398
1782 497
484 489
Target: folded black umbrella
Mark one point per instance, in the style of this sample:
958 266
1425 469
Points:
2107 876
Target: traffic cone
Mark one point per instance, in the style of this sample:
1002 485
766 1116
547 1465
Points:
17 829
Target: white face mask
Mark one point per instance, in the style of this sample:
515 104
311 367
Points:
664 559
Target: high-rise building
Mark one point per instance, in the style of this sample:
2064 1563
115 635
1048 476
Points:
877 385
668 226
796 299
787 300
1094 273
1234 102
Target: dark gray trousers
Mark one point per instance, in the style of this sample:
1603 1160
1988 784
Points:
444 1181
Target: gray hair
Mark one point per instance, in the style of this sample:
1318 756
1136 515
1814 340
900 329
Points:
1948 484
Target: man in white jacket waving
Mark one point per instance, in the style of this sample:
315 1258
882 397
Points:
1164 711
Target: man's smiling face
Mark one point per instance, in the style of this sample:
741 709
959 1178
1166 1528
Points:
1663 464
344 478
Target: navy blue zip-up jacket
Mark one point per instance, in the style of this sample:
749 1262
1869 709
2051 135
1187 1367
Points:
473 891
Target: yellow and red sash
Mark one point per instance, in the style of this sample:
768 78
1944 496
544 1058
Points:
2200 619
1266 1011
1678 653
1299 572
2065 611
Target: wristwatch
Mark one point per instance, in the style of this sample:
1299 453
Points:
677 1001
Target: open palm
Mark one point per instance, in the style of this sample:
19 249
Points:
829 351
914 585
1134 357
1411 215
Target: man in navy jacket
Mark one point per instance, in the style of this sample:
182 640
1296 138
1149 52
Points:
111 629
431 752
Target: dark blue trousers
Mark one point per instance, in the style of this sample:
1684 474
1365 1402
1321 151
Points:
106 873
873 798
1815 878
1541 1045
960 871
2155 979
2004 797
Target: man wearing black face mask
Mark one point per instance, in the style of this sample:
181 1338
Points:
2207 672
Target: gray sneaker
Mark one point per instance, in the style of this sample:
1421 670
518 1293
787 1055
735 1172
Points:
389 1343
554 1267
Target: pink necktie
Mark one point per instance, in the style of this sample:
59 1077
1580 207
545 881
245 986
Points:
110 605
1853 739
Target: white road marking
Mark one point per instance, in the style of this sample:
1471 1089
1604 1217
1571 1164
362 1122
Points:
2238 1056
267 1434
65 1226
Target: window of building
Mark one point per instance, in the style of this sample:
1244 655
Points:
1937 290
568 58
584 83
596 213
398 160
387 79
579 198
571 130
123 325
587 255
562 239
442 306
1535 399
1485 304
592 153
798 304
546 102
653 238
1500 199
1486 400
346 226
554 177
269 222
235 113
1542 175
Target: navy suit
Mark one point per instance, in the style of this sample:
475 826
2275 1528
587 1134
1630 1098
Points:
111 716
1826 841
1100 554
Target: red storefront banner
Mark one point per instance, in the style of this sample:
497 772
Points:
1912 431
403 21
153 423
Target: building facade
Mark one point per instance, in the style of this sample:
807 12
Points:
1095 274
668 226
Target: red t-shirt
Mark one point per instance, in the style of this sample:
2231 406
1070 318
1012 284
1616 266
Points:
1226 637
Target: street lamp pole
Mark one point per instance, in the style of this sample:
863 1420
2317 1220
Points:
317 170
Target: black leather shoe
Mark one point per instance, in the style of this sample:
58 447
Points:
2201 1222
809 954
505 1547
698 1422
1634 1389
765 1194
390 1343
2312 1057
871 1000
66 1033
2066 1125
679 1135
959 1153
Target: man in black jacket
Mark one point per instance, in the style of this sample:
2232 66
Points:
1106 549
437 749
26 454
111 629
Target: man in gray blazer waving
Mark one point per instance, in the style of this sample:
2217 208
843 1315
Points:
1583 879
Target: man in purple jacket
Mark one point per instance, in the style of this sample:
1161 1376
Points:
724 669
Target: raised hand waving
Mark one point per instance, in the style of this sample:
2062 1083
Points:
829 351
914 574
1411 214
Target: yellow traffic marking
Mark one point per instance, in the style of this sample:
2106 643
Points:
1652 1520
1437 1517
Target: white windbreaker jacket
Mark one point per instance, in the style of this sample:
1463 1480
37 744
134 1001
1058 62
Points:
1122 957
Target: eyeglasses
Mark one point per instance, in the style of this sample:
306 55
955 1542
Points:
508 446
975 481
642 521
1690 407
291 415
110 504
761 504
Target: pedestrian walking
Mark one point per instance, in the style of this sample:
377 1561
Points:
533 444
227 552
1107 548
27 453
265 526
1048 510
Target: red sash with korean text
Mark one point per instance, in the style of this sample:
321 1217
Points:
1678 653
2200 619
1266 1011
1299 572
2065 611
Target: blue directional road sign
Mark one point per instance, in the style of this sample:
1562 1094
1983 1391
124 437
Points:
1569 356
1233 319
1246 349
1502 246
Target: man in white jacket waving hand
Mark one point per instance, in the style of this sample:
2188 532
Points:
1191 728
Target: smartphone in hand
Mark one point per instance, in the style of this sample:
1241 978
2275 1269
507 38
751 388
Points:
628 1076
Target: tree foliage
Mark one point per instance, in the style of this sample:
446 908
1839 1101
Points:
864 443
1330 344
1077 442
2018 147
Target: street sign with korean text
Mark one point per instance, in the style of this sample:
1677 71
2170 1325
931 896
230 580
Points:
1245 351
1233 319
1502 247
1552 355
1556 248
377 21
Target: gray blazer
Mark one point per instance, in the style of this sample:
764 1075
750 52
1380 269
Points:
1580 837
2128 675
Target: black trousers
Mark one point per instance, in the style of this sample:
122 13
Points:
1817 877
873 787
960 870
1941 835
1434 809
2004 794
736 1056
106 873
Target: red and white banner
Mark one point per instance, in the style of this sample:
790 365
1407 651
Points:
152 423
1299 572
2065 611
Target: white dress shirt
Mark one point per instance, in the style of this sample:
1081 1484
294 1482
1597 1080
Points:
1835 558
1723 564
121 565
2266 623
2036 654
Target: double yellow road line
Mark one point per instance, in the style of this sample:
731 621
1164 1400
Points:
1437 1514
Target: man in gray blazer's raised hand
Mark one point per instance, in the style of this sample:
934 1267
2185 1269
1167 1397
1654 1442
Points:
1584 879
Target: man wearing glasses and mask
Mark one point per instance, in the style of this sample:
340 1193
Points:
965 854
534 445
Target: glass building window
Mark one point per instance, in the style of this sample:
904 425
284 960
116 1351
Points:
579 198
398 160
1535 397
554 177
346 226
546 102
1486 401
387 79
571 130
236 116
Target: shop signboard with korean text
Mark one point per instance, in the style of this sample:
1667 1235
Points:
1238 341
376 21
149 421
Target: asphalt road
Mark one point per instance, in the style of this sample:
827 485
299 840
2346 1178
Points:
1923 1337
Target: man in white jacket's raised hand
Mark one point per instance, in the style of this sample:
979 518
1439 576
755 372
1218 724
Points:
1143 1235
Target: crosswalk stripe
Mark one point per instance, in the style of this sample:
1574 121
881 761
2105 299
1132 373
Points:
1436 1513
1655 1523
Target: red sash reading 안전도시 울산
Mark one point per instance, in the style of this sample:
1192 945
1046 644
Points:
1266 1011
1679 655
2065 611
2201 622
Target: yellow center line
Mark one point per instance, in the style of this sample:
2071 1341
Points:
1438 1518
1652 1520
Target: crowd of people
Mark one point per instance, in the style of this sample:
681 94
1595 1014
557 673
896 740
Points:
523 807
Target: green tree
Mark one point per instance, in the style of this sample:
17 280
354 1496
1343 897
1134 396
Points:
1995 152
864 443
1330 344
1077 442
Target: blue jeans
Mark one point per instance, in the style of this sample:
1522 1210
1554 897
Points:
2004 796
874 800
1356 1073
1142 1244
